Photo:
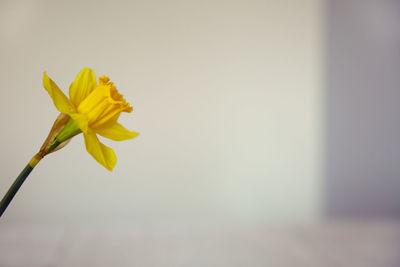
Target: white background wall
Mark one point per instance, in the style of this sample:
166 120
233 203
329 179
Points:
227 98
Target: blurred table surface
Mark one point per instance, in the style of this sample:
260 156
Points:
336 244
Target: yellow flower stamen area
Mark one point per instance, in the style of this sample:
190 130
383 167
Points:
104 79
103 104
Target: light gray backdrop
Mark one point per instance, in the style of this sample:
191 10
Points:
226 96
363 109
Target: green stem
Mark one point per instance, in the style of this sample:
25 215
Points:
70 130
14 188
21 179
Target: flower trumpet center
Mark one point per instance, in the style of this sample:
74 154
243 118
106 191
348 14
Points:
103 105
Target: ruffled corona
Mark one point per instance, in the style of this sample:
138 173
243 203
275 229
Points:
104 104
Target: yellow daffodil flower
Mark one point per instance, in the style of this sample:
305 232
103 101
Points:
94 108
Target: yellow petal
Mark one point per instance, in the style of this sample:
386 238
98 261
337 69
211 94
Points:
83 85
116 132
61 102
101 153
80 120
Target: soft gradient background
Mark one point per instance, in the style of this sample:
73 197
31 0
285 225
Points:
263 124
227 97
